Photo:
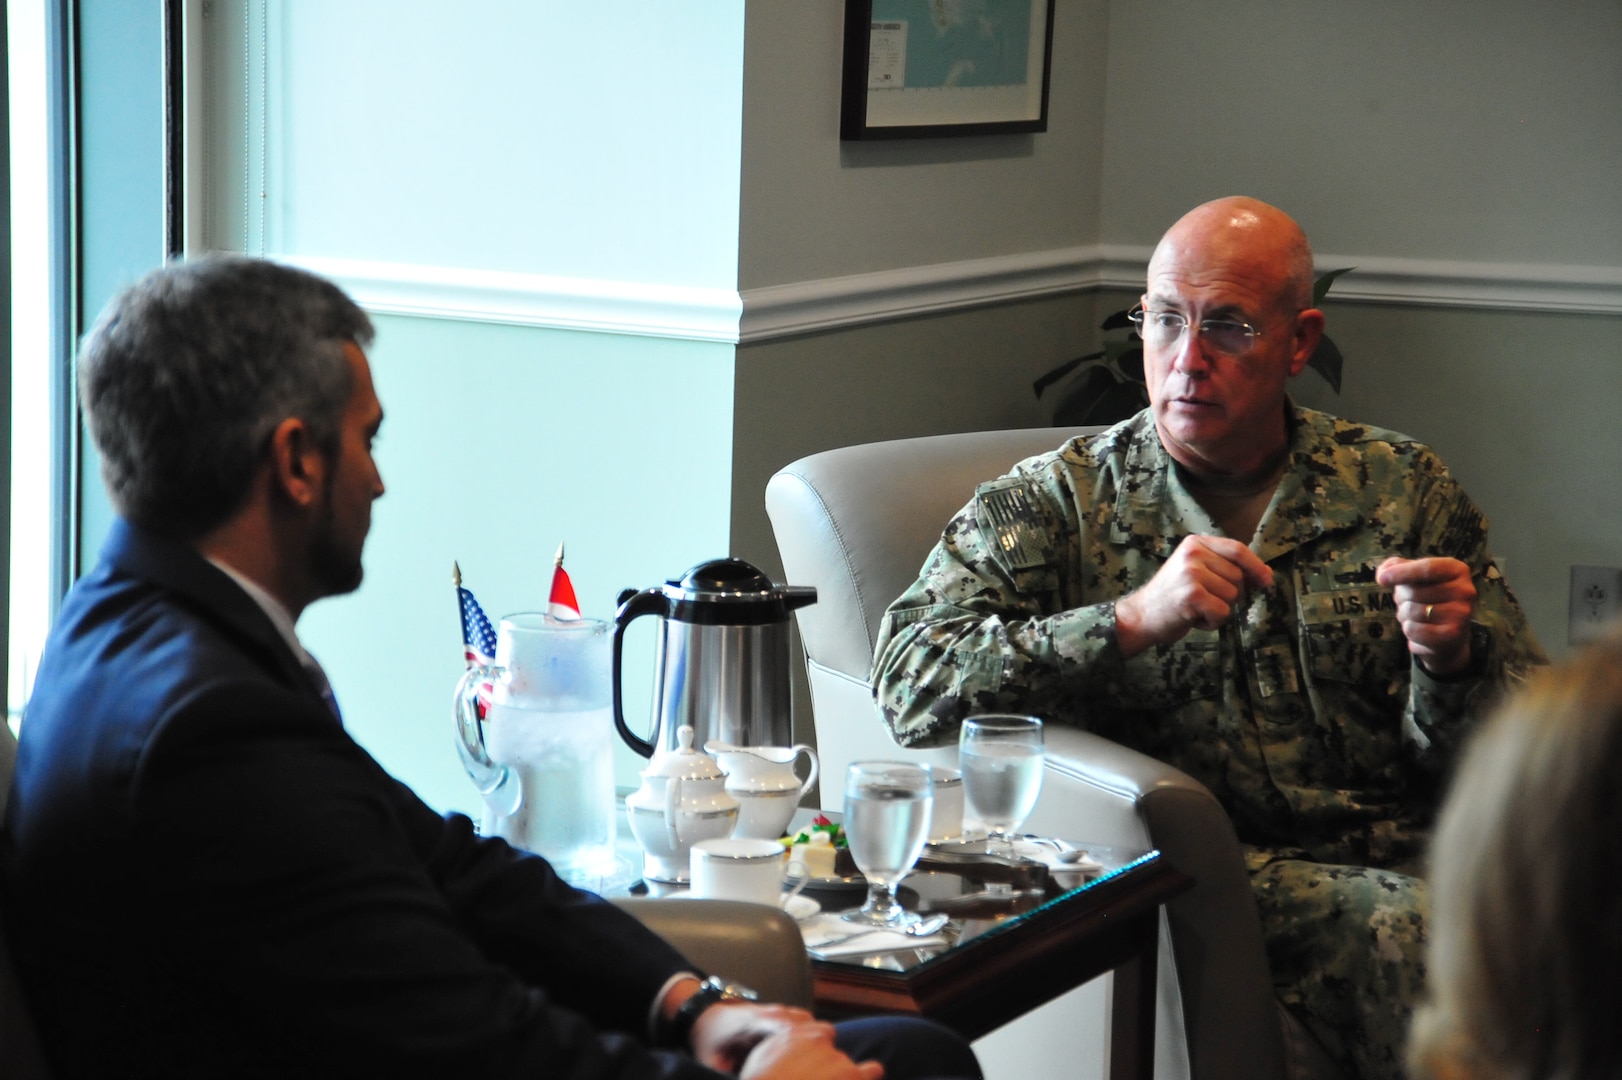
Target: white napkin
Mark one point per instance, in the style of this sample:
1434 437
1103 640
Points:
829 936
1049 856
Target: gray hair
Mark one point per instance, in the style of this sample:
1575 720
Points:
1298 272
188 372
1525 961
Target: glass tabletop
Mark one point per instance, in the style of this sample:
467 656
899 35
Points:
951 879
982 897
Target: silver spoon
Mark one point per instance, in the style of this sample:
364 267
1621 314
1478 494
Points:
1079 860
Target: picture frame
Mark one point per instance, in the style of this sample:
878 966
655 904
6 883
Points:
917 69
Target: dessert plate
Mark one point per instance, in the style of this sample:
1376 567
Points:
838 883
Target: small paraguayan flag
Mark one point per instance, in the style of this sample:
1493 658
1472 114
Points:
560 602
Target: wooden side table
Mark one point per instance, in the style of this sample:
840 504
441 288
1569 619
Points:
993 972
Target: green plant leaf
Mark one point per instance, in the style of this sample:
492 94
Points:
1327 361
1127 356
1099 397
1054 375
1320 288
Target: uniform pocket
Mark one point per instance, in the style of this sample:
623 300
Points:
1171 675
1369 651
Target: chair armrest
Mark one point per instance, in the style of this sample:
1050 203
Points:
1095 789
753 944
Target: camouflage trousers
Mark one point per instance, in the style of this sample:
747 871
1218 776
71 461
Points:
1346 946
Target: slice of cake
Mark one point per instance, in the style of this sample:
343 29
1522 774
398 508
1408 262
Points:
823 850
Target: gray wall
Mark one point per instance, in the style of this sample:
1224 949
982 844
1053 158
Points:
813 207
1448 129
1484 140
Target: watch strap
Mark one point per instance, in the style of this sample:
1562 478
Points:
713 990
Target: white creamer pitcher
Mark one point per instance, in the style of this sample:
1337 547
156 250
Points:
763 780
541 755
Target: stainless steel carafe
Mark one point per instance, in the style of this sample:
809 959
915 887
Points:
722 661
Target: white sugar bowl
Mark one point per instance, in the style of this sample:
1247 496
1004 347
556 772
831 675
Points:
683 799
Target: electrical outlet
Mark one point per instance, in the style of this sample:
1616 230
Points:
1596 601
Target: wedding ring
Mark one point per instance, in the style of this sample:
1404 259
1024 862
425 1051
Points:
1428 609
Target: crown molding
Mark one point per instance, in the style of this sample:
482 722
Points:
1572 290
808 307
831 303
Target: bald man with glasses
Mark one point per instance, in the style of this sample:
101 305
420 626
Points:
1299 611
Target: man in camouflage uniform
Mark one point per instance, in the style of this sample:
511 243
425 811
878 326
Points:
1299 611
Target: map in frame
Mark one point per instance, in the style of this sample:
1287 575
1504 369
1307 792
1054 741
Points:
950 43
945 67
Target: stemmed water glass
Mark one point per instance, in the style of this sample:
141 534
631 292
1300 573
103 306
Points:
1001 759
887 806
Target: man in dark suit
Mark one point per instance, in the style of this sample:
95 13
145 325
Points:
205 875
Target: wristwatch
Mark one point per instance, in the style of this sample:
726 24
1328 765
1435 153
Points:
711 991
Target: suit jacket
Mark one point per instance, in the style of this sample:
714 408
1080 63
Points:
206 876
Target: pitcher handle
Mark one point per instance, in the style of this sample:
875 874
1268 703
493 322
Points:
811 756
498 785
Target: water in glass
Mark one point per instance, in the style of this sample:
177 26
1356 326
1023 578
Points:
1001 758
886 827
887 809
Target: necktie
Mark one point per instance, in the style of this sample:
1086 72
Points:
319 678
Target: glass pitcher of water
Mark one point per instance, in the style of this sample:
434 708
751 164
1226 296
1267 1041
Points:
535 732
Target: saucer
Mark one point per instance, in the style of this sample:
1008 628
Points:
801 908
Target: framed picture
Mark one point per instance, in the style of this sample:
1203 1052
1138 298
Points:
926 68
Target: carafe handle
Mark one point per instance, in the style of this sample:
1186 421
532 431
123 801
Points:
498 785
646 602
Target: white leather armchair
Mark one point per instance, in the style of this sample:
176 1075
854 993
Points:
857 523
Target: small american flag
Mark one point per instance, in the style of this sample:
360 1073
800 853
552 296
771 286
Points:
478 639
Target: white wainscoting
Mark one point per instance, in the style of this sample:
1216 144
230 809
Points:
723 315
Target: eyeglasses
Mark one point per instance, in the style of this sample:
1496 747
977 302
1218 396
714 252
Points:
1163 329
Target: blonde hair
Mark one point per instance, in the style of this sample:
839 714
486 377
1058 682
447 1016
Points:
1525 960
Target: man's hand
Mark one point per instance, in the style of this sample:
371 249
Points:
772 1042
1196 590
805 1052
1435 601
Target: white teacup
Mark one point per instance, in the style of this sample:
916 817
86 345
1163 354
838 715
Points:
736 868
946 816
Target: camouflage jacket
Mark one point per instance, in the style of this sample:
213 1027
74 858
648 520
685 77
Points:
1305 714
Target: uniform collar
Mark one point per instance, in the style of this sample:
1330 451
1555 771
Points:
1153 511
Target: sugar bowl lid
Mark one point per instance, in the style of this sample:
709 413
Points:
683 762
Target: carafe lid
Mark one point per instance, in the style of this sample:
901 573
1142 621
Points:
722 579
732 591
